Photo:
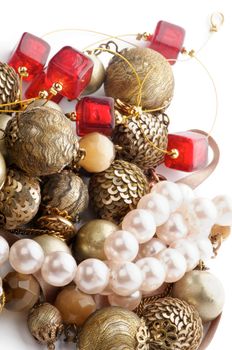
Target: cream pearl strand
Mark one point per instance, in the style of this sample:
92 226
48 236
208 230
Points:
138 263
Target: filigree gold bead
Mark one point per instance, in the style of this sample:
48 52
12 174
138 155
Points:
121 81
112 328
66 192
41 141
117 190
173 324
45 324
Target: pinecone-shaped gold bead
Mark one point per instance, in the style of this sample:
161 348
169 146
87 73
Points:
173 324
142 138
19 199
9 86
117 190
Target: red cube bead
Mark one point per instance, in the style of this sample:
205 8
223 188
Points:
168 40
32 52
192 148
41 83
95 114
72 69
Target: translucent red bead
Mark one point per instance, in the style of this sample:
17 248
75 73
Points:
72 69
41 83
32 52
95 114
192 148
168 40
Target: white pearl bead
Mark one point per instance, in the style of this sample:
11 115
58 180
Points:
153 274
158 205
171 191
201 215
26 256
121 246
140 223
174 263
224 207
187 193
189 250
92 276
4 250
205 248
174 229
126 279
58 269
151 248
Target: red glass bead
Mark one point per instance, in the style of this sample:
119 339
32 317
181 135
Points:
72 69
41 83
32 52
95 114
192 148
168 40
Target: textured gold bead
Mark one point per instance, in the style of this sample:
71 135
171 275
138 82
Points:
9 86
117 190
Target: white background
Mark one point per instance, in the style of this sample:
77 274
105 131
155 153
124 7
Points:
192 107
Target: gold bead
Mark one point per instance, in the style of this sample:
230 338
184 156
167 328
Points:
19 199
9 86
111 328
220 231
4 119
58 226
52 244
172 324
90 238
43 94
142 139
98 75
45 324
65 192
41 141
117 190
174 153
121 82
202 290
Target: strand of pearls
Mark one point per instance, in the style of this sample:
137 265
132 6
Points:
163 238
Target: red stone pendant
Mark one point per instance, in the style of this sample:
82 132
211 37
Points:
192 151
72 69
41 83
32 52
95 114
168 40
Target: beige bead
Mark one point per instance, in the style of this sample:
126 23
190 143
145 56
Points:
51 244
100 152
98 75
44 103
4 118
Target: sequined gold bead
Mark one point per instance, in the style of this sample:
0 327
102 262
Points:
9 86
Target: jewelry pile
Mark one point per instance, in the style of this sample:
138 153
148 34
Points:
132 275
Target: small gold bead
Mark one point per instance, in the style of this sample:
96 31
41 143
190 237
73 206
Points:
56 87
23 72
174 154
43 94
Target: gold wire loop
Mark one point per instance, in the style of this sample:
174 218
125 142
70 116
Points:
217 20
143 36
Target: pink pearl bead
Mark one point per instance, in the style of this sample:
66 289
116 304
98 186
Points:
201 215
26 256
204 247
174 229
4 250
130 302
153 274
58 269
92 276
158 291
189 250
187 193
151 248
175 264
121 246
140 223
158 205
171 191
223 204
126 279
